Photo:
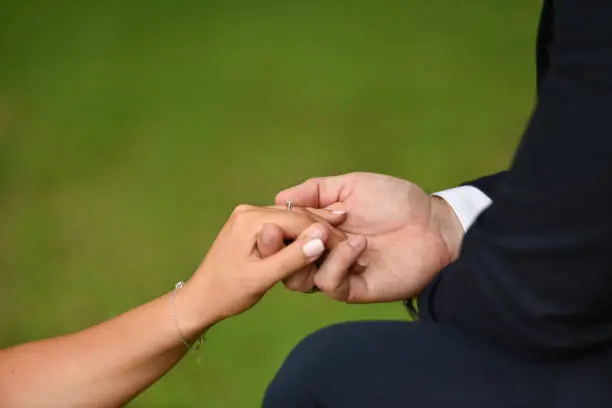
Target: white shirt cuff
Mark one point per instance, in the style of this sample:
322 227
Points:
467 202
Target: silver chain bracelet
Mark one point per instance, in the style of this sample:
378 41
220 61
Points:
200 339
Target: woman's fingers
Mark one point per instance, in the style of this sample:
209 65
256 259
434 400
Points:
306 249
334 216
333 277
269 241
295 221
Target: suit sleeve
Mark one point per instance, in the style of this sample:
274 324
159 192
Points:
535 269
488 184
472 198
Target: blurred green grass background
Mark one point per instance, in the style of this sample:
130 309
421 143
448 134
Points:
130 129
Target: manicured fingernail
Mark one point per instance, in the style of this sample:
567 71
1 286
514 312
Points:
313 248
337 212
356 242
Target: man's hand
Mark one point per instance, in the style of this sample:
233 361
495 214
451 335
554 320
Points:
410 236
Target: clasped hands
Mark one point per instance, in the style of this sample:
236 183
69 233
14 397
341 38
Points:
358 237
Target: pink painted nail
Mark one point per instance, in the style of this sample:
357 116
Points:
313 248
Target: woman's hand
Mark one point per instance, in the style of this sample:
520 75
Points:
329 268
125 355
233 277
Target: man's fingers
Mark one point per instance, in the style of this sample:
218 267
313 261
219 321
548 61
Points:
334 217
333 276
269 240
302 280
306 249
315 192
305 194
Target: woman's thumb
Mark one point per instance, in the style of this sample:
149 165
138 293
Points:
306 249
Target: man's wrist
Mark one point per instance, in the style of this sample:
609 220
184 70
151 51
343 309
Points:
467 202
448 225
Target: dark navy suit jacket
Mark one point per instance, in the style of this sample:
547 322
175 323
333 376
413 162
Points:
535 270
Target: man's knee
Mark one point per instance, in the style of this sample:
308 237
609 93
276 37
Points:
303 379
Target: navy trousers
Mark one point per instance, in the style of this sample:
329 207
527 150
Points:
426 365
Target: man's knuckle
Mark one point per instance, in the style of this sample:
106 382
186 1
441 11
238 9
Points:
299 281
319 282
325 285
293 284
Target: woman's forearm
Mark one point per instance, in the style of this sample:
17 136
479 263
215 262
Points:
109 364
105 365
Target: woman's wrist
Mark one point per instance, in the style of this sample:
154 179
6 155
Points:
194 312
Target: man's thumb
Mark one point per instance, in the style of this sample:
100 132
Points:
318 192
